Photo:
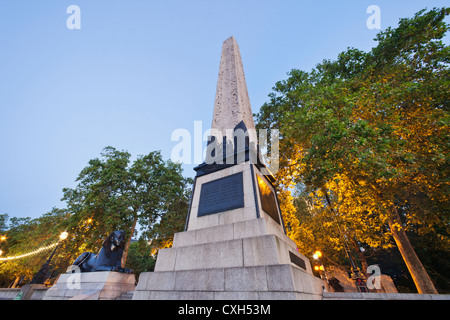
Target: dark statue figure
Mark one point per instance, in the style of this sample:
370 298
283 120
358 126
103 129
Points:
107 259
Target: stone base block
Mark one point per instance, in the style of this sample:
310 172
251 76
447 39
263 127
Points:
104 285
279 282
250 259
254 242
232 231
245 252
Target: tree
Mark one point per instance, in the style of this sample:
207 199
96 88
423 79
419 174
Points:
140 259
113 194
376 126
3 221
25 236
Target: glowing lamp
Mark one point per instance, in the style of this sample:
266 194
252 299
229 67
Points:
63 236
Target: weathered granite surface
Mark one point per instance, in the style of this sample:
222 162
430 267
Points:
102 285
232 104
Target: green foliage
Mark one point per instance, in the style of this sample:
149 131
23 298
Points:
25 235
3 222
140 259
371 130
112 193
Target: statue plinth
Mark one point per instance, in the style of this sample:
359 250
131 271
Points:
102 285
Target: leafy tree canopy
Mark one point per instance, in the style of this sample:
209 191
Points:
112 193
370 129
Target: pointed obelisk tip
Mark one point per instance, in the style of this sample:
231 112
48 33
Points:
232 104
232 38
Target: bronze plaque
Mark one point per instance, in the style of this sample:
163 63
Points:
297 260
268 202
221 195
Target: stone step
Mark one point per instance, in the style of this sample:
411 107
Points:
231 231
245 252
259 282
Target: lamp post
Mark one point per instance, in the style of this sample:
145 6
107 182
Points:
40 276
355 274
317 256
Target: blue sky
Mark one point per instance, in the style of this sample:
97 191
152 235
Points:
138 70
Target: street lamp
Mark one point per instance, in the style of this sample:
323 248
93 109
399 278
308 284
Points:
40 276
356 274
63 236
317 255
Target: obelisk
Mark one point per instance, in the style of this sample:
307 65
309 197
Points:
234 245
232 104
233 129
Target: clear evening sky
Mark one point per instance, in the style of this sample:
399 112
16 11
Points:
138 70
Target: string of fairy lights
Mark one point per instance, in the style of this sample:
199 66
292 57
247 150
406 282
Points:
62 236
29 253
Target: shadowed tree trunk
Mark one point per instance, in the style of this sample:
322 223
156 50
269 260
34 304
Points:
416 269
127 244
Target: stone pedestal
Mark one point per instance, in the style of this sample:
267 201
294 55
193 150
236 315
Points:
234 246
241 253
31 292
104 285
242 260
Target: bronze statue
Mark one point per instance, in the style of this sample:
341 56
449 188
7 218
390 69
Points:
107 259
